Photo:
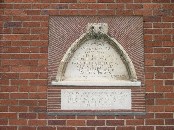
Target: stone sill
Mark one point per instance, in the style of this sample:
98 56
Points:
96 113
99 83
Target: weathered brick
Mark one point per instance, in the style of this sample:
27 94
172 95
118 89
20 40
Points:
12 24
95 122
57 122
75 122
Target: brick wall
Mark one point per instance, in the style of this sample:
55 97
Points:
24 64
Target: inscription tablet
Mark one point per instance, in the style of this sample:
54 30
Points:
96 60
95 99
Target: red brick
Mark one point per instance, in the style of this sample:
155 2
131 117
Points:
28 76
165 102
105 128
19 82
4 95
168 44
8 127
149 75
168 19
162 50
47 128
154 122
168 31
19 95
9 89
8 115
76 123
4 82
164 115
147 37
164 127
95 122
169 82
97 6
125 1
57 122
18 122
68 1
39 30
135 122
31 24
153 31
169 121
152 6
27 115
114 122
162 25
124 12
87 1
152 19
163 62
3 122
37 122
68 12
69 128
154 95
115 6
18 109
161 1
143 12
22 6
87 12
150 102
78 6
28 102
168 6
4 108
37 96
105 1
164 76
154 56
12 24
21 31
38 69
20 69
145 127
169 108
126 128
106 12
84 128
163 89
27 128
38 82
32 12
10 76
155 108
169 95
134 6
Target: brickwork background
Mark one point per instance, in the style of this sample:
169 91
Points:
24 62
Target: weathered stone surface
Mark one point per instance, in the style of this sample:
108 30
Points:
95 99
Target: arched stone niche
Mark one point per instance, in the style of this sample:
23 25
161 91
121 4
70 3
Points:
96 59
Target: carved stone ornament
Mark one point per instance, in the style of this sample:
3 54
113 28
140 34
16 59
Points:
96 59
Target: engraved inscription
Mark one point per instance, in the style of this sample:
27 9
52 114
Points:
96 60
90 99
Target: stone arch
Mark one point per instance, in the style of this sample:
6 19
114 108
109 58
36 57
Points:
98 32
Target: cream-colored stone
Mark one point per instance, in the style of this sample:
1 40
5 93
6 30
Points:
95 99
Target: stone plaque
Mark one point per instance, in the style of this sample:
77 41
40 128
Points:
95 99
96 60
